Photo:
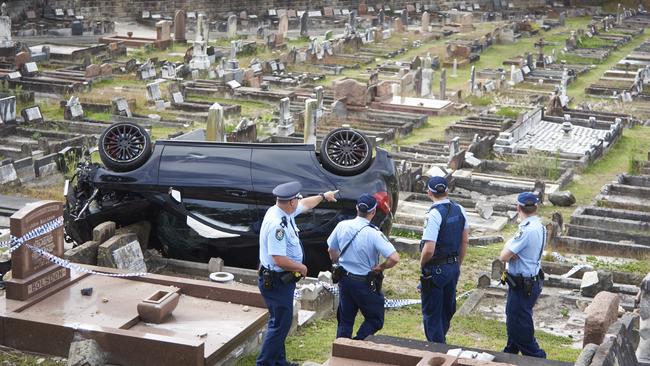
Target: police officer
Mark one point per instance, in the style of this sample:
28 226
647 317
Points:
524 277
281 257
444 244
356 245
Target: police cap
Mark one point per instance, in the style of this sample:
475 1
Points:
366 203
527 199
437 184
287 191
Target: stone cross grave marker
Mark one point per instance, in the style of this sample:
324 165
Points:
33 274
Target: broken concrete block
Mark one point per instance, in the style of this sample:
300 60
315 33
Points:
485 209
601 313
617 348
594 282
103 231
484 280
586 355
122 251
497 268
86 353
142 229
215 265
85 253
325 277
310 292
8 174
471 160
562 198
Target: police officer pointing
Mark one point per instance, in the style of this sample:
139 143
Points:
356 245
524 277
281 257
444 244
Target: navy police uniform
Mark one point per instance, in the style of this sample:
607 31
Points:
278 236
365 243
444 224
526 276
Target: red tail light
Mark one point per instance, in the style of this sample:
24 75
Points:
384 201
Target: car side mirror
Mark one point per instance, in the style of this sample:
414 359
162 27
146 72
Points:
175 195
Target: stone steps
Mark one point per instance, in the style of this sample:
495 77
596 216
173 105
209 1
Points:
610 223
624 202
585 246
619 236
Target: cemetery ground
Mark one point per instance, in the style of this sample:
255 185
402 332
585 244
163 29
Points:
313 342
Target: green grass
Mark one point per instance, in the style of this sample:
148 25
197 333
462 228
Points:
637 267
21 359
249 108
577 88
51 110
404 234
510 112
313 343
595 42
98 116
433 129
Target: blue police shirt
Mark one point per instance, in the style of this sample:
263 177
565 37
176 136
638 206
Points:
279 238
363 253
433 220
528 245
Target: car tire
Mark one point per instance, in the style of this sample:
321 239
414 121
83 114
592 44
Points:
345 151
124 146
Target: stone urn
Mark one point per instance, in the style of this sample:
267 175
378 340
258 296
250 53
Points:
158 307
129 34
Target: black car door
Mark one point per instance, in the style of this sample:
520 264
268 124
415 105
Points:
215 183
277 164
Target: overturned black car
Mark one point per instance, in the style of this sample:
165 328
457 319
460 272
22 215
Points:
208 199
